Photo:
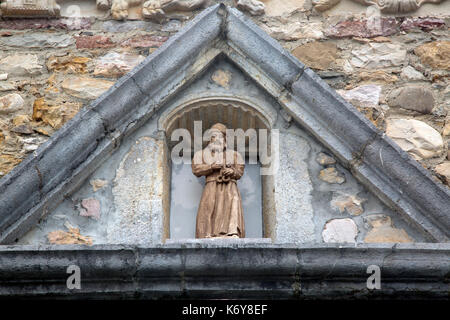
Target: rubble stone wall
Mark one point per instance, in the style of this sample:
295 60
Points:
392 64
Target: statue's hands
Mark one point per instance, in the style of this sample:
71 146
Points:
227 172
216 166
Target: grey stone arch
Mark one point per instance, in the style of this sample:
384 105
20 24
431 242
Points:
236 113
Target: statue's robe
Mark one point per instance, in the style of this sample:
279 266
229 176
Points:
220 211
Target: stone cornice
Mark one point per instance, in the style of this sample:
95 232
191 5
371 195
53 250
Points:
249 270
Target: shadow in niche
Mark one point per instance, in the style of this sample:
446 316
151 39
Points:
186 191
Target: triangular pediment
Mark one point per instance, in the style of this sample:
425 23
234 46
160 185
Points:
222 35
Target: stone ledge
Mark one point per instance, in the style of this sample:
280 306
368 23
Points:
328 271
217 242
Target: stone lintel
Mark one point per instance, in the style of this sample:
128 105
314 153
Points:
206 270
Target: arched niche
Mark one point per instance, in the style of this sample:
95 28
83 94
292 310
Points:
235 114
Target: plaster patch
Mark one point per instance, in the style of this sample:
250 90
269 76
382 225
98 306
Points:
293 187
138 194
340 231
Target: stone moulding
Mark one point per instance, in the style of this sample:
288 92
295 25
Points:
30 8
55 169
251 271
385 6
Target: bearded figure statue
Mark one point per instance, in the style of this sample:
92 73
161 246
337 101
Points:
220 213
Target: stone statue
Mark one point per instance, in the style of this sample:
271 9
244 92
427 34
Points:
220 213
119 8
157 9
385 6
151 9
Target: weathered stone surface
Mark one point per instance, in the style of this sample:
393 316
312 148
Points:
11 103
340 231
21 119
68 64
443 170
323 5
3 76
72 236
375 55
435 54
423 23
324 159
146 41
156 10
66 24
21 65
331 175
54 115
254 7
98 184
293 192
90 208
278 8
334 79
92 42
115 64
414 98
378 76
317 55
6 86
23 129
32 143
382 230
409 73
222 78
171 26
296 30
350 203
35 8
376 115
446 130
415 137
38 40
22 124
378 39
126 26
86 88
138 195
7 163
365 28
153 10
120 8
366 96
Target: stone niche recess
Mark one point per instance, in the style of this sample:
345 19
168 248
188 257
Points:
311 198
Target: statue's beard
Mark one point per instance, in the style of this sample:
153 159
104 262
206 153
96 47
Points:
216 146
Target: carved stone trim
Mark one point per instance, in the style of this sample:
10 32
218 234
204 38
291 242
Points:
30 8
385 6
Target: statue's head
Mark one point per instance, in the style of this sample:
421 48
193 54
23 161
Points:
218 137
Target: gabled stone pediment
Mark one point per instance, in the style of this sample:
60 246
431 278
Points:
37 186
